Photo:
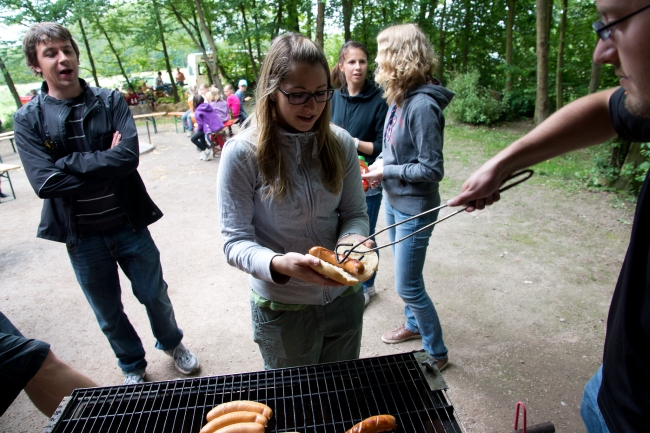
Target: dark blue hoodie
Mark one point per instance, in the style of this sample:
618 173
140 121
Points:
412 149
362 115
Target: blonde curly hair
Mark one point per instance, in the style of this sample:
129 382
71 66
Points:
405 58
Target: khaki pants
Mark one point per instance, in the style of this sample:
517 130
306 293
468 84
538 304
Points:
314 335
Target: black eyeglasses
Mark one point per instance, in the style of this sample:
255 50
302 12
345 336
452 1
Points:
603 30
303 97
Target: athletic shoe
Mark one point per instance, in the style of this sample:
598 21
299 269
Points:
366 298
399 335
184 360
133 377
188 133
208 154
371 291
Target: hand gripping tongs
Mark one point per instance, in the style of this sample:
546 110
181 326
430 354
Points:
516 178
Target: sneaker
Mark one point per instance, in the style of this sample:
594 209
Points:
399 335
371 291
3 195
442 363
366 298
184 360
208 154
133 377
188 133
202 156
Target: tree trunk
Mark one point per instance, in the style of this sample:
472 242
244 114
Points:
90 56
594 80
542 101
467 31
208 36
442 42
278 25
347 17
320 23
257 37
197 42
510 24
117 56
164 47
10 84
248 39
560 57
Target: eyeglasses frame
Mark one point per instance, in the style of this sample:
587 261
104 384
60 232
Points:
603 30
311 95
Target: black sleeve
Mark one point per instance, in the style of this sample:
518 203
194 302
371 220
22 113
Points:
627 125
47 180
107 164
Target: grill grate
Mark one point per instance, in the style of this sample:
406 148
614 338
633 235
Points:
316 398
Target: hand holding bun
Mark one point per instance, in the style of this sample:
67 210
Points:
360 266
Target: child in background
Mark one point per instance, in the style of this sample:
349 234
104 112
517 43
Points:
206 121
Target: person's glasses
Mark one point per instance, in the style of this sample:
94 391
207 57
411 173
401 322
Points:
604 30
303 97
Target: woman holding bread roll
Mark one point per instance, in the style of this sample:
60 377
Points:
409 169
286 184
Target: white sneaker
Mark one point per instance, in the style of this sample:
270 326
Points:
134 377
188 133
208 154
184 360
366 299
202 156
371 291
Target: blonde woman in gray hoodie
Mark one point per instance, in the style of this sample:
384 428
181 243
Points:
409 169
290 182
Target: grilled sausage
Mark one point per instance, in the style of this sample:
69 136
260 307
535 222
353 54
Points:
375 424
234 418
244 427
353 266
237 406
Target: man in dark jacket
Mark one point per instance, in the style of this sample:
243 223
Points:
79 147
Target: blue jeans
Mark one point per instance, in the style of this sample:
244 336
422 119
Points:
421 315
186 120
94 259
589 410
373 202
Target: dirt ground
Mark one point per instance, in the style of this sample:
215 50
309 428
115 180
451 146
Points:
522 290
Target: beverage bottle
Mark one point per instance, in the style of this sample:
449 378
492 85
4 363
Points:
364 169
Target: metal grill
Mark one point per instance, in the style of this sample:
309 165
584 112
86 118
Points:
317 398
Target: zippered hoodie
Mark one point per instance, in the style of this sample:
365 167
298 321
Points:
256 228
207 119
362 115
412 149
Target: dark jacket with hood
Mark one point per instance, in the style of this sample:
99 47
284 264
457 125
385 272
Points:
57 172
412 149
362 115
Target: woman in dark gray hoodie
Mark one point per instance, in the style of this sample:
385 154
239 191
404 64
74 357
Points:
409 169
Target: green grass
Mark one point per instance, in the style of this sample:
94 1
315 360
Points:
473 145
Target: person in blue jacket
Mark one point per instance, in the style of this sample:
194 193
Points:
359 108
80 150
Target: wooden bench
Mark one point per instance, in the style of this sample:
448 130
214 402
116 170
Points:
4 172
9 135
150 117
177 115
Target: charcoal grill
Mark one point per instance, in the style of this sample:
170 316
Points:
317 398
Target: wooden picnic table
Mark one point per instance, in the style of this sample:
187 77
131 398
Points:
150 117
177 115
9 135
4 172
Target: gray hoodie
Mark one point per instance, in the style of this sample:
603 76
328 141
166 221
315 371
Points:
255 229
412 149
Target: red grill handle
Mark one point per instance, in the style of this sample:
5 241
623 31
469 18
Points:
523 406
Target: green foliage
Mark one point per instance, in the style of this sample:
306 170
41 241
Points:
8 124
637 173
473 104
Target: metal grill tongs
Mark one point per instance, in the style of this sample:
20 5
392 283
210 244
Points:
513 180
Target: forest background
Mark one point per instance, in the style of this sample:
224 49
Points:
506 60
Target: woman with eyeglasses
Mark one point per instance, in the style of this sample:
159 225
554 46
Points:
290 182
409 169
359 108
